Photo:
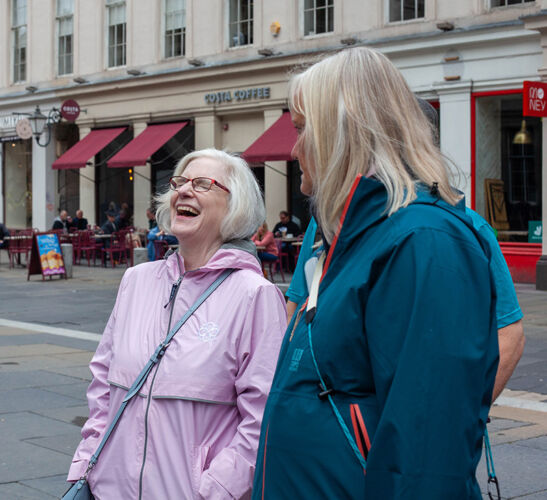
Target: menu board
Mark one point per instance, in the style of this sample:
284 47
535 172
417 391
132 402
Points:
51 258
46 256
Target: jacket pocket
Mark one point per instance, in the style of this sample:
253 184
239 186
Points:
359 430
199 464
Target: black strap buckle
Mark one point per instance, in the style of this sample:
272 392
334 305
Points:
325 393
493 479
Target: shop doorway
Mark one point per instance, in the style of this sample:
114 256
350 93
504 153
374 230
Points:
506 163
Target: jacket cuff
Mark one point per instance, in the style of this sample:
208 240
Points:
211 489
76 470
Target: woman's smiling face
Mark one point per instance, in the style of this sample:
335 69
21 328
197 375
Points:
196 217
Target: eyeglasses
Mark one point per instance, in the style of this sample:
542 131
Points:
199 184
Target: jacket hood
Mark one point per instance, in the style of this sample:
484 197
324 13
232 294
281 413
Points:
235 254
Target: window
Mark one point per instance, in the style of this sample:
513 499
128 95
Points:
404 10
318 16
241 22
116 32
175 28
65 12
504 3
19 39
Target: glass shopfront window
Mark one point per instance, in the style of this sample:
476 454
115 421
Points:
507 165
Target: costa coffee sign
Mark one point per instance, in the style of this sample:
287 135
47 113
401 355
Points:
70 110
534 99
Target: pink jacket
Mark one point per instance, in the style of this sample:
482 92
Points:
195 433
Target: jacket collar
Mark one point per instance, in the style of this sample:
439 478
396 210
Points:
235 254
367 202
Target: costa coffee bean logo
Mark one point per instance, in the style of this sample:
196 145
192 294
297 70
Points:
70 110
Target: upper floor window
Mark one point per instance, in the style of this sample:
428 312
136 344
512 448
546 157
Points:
19 39
241 22
404 10
116 33
175 28
504 3
65 31
318 16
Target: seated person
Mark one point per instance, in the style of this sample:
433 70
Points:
283 228
155 234
62 221
79 222
109 226
265 238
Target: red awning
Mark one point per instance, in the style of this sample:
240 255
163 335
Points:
275 144
79 154
145 144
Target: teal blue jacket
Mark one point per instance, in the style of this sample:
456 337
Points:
405 335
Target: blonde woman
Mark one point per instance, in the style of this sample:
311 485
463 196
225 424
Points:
385 376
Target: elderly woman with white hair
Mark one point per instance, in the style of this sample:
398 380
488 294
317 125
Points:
192 429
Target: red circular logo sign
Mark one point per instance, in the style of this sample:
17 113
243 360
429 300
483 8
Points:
70 110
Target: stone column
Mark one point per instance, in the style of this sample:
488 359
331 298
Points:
455 104
87 185
43 184
275 178
142 186
539 23
207 132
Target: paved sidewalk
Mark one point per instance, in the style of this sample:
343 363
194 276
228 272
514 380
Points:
49 330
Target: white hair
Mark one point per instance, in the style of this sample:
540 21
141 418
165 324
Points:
245 206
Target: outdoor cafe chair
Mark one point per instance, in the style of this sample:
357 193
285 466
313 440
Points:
117 250
160 248
20 243
277 263
85 242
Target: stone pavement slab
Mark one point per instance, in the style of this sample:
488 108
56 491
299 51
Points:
520 471
34 378
64 443
52 485
18 491
76 415
27 425
22 461
13 351
76 391
81 372
33 399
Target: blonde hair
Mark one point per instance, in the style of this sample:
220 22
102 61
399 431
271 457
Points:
245 206
360 118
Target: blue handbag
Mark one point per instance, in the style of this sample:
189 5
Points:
80 490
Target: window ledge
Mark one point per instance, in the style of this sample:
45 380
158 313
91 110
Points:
318 35
407 21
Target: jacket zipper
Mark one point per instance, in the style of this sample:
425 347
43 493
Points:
172 297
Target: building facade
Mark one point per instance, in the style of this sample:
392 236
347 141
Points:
215 72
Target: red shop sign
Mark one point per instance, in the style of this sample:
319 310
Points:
534 99
70 110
